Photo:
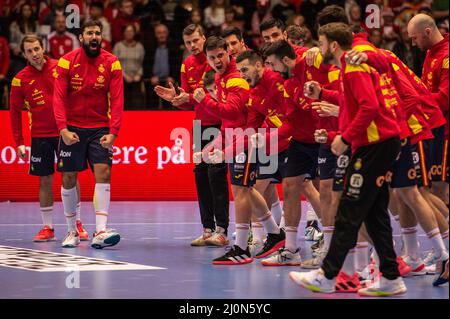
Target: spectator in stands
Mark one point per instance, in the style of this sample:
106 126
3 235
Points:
410 55
261 14
196 16
96 13
309 41
375 37
48 14
215 16
125 17
131 56
283 10
390 36
296 19
60 41
355 15
4 67
162 65
182 17
310 9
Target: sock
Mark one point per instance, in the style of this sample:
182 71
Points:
327 235
410 239
445 238
277 211
242 235
437 241
269 223
47 216
349 264
291 238
258 231
361 255
310 213
102 195
79 211
69 199
282 221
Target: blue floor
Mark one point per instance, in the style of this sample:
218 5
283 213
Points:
155 234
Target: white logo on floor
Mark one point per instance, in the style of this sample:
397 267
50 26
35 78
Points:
45 261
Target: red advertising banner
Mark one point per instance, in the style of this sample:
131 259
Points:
152 160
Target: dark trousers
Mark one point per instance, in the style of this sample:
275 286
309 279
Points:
211 181
365 200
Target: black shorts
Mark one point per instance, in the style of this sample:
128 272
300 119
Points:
438 156
342 163
422 159
279 174
42 158
302 160
244 168
327 162
404 171
74 158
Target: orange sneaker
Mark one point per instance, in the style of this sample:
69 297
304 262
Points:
45 234
345 283
82 232
403 268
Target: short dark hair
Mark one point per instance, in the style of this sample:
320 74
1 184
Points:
271 23
91 23
209 78
280 49
230 31
31 38
329 14
339 32
252 56
296 32
192 28
214 42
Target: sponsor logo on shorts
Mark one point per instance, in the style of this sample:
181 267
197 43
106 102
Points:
65 154
358 164
415 157
412 174
381 179
343 161
240 158
356 180
322 160
36 159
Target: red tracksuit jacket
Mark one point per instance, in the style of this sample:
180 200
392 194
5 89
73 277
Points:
88 91
34 90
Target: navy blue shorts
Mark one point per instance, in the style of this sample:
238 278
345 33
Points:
302 160
422 159
327 162
244 168
342 163
438 158
404 171
75 158
280 168
43 154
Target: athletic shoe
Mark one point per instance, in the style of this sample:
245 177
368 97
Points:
84 236
235 256
417 266
345 283
105 238
430 261
45 234
369 274
72 240
316 261
218 238
384 288
255 247
283 257
272 244
439 279
317 246
313 280
250 236
312 231
403 268
200 241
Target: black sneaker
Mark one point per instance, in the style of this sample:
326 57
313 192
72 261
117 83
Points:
272 244
235 256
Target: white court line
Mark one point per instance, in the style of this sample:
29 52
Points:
183 237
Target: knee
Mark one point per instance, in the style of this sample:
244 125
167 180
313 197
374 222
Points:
69 180
103 174
46 181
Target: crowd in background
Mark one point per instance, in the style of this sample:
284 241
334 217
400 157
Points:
146 35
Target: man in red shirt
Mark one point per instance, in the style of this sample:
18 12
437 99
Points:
368 123
88 106
33 87
125 17
424 34
61 42
210 179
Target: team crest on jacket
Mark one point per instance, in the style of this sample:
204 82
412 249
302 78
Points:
101 68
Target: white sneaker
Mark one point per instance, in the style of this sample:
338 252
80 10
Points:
417 266
430 261
105 238
218 238
384 288
72 240
200 241
314 280
283 257
316 261
312 232
255 247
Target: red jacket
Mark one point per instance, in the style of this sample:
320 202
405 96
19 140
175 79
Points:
193 69
435 75
89 91
366 116
4 56
34 90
